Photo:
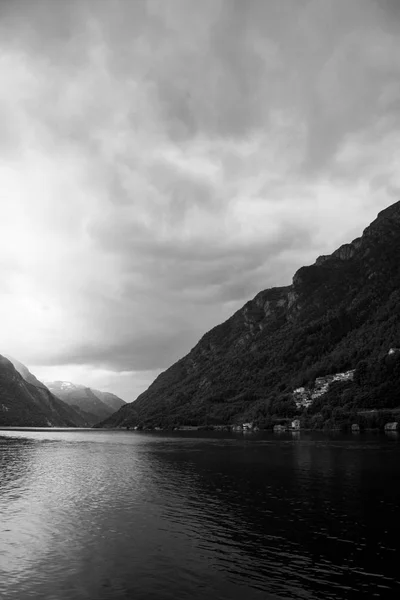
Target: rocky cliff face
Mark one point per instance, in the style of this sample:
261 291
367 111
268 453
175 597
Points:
338 311
25 404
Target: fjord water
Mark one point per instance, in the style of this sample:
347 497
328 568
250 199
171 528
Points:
113 515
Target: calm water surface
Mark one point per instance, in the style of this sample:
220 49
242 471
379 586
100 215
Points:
110 515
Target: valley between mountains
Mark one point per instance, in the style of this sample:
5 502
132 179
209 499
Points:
27 402
324 350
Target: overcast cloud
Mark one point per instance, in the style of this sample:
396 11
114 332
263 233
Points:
162 161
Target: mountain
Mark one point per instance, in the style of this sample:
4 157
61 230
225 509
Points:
26 402
99 405
339 314
25 372
111 400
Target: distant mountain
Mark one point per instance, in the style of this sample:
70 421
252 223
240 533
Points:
111 400
26 402
341 313
99 404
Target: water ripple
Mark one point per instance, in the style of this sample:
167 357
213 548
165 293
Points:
101 515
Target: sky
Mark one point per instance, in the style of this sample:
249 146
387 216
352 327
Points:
162 161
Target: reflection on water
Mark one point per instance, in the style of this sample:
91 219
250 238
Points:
104 515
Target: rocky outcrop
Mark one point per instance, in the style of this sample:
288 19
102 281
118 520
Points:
331 317
345 252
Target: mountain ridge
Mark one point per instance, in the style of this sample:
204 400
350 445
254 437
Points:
40 405
98 404
337 312
25 372
25 404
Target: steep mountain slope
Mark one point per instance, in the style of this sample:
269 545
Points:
111 400
83 397
338 313
25 372
24 404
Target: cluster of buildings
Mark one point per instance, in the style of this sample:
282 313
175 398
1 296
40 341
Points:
292 426
245 427
304 396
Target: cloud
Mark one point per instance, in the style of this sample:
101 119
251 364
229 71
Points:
163 161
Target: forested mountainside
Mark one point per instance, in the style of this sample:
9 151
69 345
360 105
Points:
26 402
99 405
339 314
